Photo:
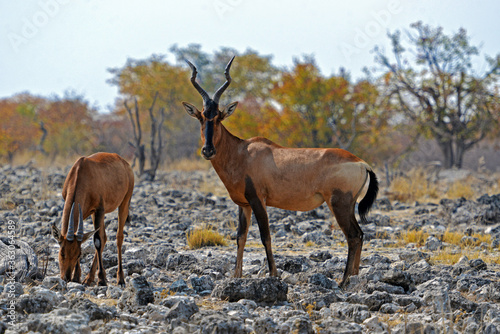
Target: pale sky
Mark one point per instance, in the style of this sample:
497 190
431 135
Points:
51 46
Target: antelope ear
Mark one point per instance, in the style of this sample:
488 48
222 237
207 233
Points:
56 234
228 110
87 235
192 110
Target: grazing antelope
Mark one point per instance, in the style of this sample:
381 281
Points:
259 173
95 185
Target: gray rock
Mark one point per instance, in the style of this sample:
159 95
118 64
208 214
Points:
350 311
218 322
114 292
439 299
40 300
181 261
201 284
14 289
54 283
265 324
75 286
91 309
320 256
179 286
134 267
138 293
60 321
389 308
399 278
374 300
319 300
297 324
336 326
323 281
158 257
292 264
433 244
269 289
22 260
384 287
478 264
182 310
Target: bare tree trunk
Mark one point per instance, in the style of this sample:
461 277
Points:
136 126
156 134
43 138
156 138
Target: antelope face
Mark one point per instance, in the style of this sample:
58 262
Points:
210 116
69 257
71 246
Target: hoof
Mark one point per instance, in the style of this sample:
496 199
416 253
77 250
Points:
87 282
345 282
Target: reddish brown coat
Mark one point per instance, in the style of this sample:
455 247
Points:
258 173
98 184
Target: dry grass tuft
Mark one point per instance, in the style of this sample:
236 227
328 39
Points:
205 236
420 184
414 236
415 186
311 244
460 189
457 238
452 237
446 256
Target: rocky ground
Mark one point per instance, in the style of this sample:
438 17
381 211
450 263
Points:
402 287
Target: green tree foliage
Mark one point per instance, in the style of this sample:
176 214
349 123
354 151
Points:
431 78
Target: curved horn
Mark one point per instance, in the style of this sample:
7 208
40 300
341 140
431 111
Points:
79 232
195 84
71 225
222 88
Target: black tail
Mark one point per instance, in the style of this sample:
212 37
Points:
367 202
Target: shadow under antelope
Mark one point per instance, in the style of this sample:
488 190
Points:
95 185
258 173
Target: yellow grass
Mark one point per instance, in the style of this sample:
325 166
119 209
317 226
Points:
419 185
311 244
446 257
450 257
455 238
205 236
414 236
460 189
452 237
414 186
164 294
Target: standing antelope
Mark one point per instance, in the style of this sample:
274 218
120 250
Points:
96 185
259 173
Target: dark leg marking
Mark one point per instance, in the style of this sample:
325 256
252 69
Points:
342 205
263 221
